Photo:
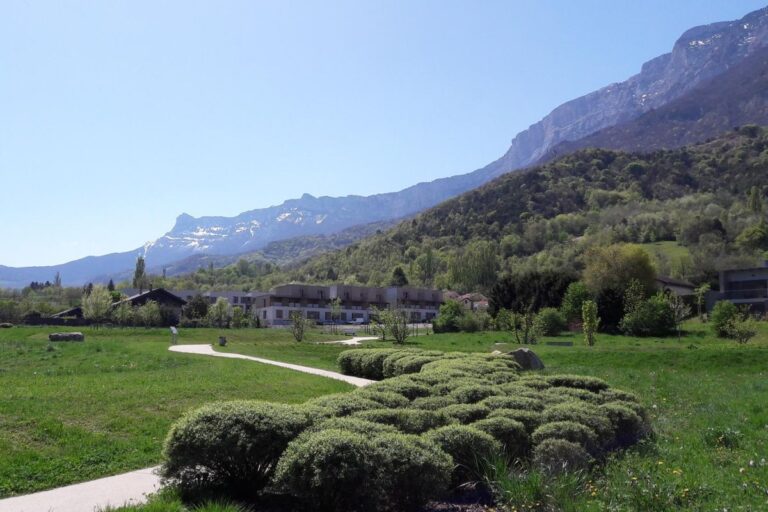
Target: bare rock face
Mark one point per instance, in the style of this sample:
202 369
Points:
66 336
527 359
700 54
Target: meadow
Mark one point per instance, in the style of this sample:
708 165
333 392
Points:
102 407
71 412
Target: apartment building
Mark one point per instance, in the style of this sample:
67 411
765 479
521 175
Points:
744 287
356 303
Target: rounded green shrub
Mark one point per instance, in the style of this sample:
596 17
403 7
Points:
634 406
446 388
549 322
473 393
513 402
388 366
613 395
584 413
343 404
559 456
385 398
628 426
364 362
334 470
652 317
469 448
402 385
474 365
234 445
722 317
534 382
530 419
568 430
351 424
349 362
466 413
501 377
371 365
409 421
434 377
510 433
432 403
411 364
413 471
304 471
560 394
578 381
517 389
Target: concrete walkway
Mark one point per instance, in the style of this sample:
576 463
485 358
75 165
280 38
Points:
207 350
132 488
354 341
113 491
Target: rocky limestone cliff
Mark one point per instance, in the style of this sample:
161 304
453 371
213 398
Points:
699 54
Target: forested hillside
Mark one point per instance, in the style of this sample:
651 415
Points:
546 217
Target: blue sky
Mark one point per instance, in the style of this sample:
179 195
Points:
116 117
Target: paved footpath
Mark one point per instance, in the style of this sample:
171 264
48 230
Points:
133 487
352 341
208 351
128 488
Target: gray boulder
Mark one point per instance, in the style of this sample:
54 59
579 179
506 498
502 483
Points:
66 336
527 359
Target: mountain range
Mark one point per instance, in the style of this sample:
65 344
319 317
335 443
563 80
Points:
687 78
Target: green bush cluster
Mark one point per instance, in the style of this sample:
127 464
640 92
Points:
406 439
378 363
652 317
550 322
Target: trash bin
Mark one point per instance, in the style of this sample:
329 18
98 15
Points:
222 341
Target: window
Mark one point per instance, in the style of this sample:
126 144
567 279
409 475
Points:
320 293
264 314
278 313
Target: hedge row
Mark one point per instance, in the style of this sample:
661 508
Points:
400 442
384 363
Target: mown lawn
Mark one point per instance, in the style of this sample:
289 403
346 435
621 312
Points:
279 344
71 412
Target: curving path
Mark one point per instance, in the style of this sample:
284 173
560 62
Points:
354 341
113 491
133 488
207 350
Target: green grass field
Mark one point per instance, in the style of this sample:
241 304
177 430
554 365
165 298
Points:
87 410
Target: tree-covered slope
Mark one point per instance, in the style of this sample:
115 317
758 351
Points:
546 217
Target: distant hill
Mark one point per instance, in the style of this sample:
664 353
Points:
283 252
736 97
